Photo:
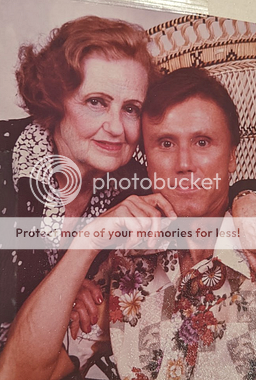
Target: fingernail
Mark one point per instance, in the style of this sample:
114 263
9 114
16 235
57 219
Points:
100 300
88 330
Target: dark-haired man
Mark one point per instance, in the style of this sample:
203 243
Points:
186 314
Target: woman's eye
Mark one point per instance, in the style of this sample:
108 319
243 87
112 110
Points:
133 110
166 144
96 103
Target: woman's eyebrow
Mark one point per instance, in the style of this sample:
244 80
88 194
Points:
98 94
135 101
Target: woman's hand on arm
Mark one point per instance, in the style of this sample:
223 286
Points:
244 213
85 308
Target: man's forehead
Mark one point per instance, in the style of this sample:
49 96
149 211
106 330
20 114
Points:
194 115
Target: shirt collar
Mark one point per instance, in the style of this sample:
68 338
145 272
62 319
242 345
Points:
228 249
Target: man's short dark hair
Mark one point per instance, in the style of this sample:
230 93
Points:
185 83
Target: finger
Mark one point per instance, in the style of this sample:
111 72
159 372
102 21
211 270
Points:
142 207
155 227
135 226
142 212
151 206
74 324
86 306
128 217
159 201
121 217
94 289
133 206
84 317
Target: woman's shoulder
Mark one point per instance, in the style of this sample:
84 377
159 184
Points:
10 131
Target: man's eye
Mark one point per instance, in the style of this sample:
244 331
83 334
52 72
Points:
202 142
166 144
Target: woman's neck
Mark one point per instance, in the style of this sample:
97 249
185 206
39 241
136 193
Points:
77 206
71 178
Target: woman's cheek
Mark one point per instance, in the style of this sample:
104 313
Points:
133 133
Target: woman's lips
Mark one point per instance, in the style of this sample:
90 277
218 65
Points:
109 146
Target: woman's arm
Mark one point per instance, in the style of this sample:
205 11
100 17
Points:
35 339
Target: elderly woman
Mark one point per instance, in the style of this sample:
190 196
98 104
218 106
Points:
84 91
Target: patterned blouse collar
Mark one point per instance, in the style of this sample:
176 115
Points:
32 146
31 159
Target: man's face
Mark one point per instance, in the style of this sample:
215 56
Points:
191 144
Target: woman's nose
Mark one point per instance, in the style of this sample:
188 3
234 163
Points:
113 123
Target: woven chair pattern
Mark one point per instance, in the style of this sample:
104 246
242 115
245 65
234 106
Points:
240 80
227 48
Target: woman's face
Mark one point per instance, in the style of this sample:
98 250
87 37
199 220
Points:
101 126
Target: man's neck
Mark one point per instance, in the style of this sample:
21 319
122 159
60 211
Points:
200 247
189 258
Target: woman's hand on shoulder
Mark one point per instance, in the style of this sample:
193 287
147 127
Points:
244 213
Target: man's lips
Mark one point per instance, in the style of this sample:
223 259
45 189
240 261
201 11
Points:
186 184
109 145
188 188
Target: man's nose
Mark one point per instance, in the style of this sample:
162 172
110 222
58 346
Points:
185 160
113 123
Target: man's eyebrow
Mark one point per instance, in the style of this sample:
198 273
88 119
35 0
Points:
158 136
162 134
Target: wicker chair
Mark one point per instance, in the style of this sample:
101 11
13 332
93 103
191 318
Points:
227 48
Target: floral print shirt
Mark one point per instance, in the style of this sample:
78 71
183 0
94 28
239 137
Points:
166 326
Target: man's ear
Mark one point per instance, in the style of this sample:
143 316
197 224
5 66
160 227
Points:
232 160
